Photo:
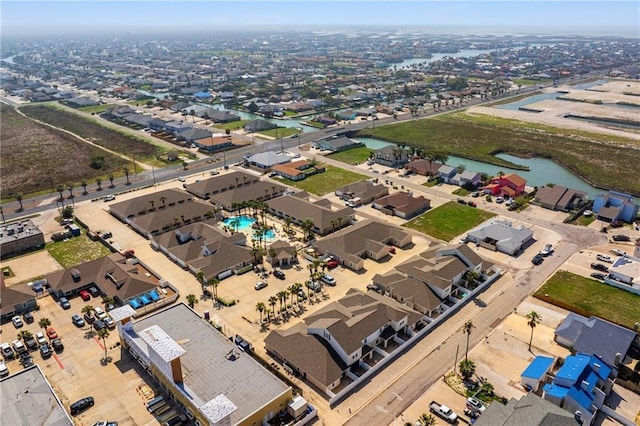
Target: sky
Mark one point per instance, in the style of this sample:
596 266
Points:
617 17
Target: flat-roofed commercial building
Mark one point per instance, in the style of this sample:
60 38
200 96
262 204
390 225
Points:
208 376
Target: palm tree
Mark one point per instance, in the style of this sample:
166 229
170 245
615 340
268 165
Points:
192 300
213 282
260 308
466 328
272 302
292 291
108 300
426 420
282 295
126 174
163 200
60 188
267 312
467 368
87 309
153 204
99 183
306 226
487 389
111 180
84 187
44 322
533 319
103 333
25 335
19 199
200 277
70 189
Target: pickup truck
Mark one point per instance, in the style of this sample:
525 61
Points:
443 412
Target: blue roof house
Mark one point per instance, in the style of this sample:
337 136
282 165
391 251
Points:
614 205
580 386
534 375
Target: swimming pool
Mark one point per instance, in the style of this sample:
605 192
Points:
268 236
239 222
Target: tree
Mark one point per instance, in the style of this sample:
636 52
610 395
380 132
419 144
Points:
467 368
260 307
126 174
227 132
200 277
111 181
487 389
25 335
533 319
426 420
99 183
60 188
70 189
67 212
84 187
306 226
272 302
467 328
192 300
103 333
44 322
19 200
213 282
108 300
87 309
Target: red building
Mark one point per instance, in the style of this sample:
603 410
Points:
508 186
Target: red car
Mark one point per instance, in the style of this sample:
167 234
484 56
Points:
332 264
51 333
392 250
129 254
472 204
84 294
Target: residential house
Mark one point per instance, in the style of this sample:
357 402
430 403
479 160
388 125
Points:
580 386
16 300
614 205
20 237
595 336
176 127
299 207
529 410
342 337
467 178
337 144
297 170
391 156
264 161
402 204
208 375
446 173
259 125
194 134
559 197
367 239
536 373
218 116
501 236
365 190
625 274
157 124
423 167
214 144
508 186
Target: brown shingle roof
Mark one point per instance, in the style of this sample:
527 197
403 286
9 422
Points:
134 206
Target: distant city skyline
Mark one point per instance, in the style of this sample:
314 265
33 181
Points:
615 18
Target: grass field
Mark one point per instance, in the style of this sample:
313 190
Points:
234 125
449 220
352 156
75 251
36 157
605 160
282 132
587 297
96 108
323 183
529 82
90 130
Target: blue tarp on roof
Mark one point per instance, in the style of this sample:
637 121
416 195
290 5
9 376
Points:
583 398
202 95
538 367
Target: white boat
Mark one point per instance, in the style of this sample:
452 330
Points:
547 250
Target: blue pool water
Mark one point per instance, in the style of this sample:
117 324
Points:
240 223
270 235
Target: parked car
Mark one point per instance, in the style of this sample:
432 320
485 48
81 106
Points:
597 275
89 318
214 172
31 343
476 194
619 252
315 286
4 371
26 359
279 274
45 351
599 267
328 279
461 201
332 263
109 197
106 235
547 250
40 338
18 346
499 200
392 250
603 258
28 318
537 259
443 412
7 352
181 179
94 292
260 285
472 204
17 321
77 320
84 295
81 405
110 323
509 202
129 254
64 302
476 405
57 345
100 314
99 325
51 333
620 237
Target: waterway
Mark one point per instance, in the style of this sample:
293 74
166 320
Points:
8 59
464 53
541 170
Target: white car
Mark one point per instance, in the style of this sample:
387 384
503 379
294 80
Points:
41 339
17 321
260 285
499 200
604 258
4 371
181 179
100 314
476 405
328 279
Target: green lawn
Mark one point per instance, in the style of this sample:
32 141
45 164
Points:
323 183
585 220
587 297
96 108
449 220
75 251
234 125
282 132
530 82
599 158
353 155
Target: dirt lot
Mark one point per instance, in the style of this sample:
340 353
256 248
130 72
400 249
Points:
36 157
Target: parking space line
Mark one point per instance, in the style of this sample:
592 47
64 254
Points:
58 361
98 342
